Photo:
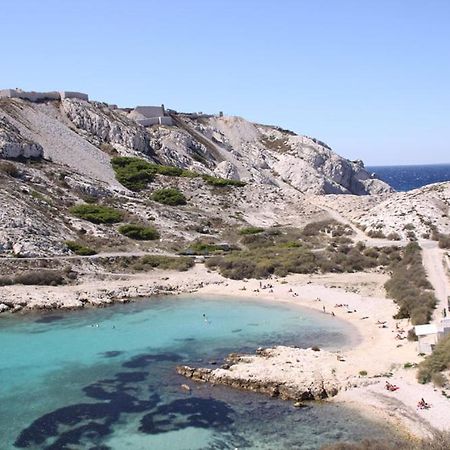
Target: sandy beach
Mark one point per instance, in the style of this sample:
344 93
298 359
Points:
356 298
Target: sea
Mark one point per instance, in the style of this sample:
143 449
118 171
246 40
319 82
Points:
406 178
105 379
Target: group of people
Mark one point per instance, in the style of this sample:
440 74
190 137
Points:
422 404
391 387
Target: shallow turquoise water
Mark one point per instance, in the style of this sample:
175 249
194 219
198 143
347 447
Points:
105 379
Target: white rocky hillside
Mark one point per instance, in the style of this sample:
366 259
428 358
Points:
56 153
77 133
414 213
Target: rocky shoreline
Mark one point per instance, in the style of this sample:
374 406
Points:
288 373
102 293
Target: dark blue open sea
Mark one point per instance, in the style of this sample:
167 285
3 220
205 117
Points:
405 178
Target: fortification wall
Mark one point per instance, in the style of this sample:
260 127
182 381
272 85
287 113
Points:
33 96
155 121
71 94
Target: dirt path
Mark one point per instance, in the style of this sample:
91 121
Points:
433 261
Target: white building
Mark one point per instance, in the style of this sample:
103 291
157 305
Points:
150 115
430 334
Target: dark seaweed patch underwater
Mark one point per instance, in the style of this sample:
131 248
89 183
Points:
74 387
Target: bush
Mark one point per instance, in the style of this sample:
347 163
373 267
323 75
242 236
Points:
97 213
376 234
444 240
222 182
134 173
435 363
409 287
80 249
251 230
8 168
393 236
139 232
169 196
6 281
40 277
203 248
164 262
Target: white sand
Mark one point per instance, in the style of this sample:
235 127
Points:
377 352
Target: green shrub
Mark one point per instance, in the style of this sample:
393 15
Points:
363 373
134 173
8 168
376 234
169 196
97 213
222 182
139 232
435 363
203 248
40 277
181 263
393 236
80 249
444 240
251 230
409 287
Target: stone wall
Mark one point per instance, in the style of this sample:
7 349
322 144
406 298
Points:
155 121
33 96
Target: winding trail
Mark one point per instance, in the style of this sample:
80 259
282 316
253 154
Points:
433 259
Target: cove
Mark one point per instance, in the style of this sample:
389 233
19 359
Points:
105 378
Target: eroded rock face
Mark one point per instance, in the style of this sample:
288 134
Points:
14 145
26 232
270 155
107 125
284 372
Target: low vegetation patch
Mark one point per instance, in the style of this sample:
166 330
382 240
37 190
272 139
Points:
444 240
97 213
222 182
80 249
8 168
169 196
133 173
181 263
37 277
251 230
205 248
410 288
139 232
432 366
280 252
137 173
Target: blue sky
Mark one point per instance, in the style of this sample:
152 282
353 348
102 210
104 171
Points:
369 77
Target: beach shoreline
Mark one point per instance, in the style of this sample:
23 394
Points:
375 351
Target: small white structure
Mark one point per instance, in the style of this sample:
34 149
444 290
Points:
33 96
430 334
150 115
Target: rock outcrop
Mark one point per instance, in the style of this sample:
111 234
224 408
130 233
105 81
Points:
284 372
107 125
13 145
412 214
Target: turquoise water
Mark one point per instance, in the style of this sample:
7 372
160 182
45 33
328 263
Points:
105 379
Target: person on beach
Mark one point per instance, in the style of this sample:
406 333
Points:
323 307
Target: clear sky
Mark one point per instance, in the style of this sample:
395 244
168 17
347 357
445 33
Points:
369 77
